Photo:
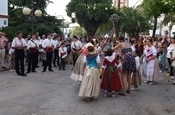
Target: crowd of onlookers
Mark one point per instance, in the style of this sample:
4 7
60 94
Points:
163 45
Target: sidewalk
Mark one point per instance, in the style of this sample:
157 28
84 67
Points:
7 65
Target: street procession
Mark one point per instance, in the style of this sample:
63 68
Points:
110 53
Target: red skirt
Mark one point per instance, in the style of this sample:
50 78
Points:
111 82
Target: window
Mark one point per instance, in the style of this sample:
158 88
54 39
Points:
5 22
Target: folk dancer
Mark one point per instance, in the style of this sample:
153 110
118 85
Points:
48 45
151 67
90 86
19 44
110 77
78 68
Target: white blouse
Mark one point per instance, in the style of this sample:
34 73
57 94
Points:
97 60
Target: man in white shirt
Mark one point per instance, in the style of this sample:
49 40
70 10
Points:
57 44
32 47
76 46
19 44
3 40
38 40
48 45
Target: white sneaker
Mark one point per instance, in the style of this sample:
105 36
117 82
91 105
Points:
151 83
113 95
106 95
173 82
172 77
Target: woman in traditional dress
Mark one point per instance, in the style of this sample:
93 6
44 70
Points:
110 77
78 68
128 64
90 86
151 68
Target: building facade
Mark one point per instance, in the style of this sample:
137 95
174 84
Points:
3 13
121 3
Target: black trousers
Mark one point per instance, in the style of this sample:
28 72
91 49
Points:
75 57
171 68
32 59
62 64
56 57
19 61
48 62
37 53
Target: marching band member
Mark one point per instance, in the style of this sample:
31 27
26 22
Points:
32 47
62 55
48 45
57 43
19 44
76 46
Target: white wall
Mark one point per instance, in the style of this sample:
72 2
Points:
3 11
4 7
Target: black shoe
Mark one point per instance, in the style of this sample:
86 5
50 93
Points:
28 72
64 69
44 71
18 73
23 75
34 71
51 70
55 66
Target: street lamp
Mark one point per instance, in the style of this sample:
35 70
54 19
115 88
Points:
32 14
113 18
170 25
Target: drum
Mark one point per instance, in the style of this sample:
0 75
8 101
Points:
65 58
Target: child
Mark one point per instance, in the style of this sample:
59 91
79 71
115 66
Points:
90 86
136 77
111 80
12 59
63 55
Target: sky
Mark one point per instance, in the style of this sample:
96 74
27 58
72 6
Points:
57 8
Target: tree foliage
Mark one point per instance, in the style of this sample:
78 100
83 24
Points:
90 14
154 8
79 31
132 22
19 22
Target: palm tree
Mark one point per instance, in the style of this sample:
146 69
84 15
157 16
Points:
133 22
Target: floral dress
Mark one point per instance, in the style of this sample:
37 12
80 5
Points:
128 61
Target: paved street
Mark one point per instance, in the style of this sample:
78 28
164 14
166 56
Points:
54 93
